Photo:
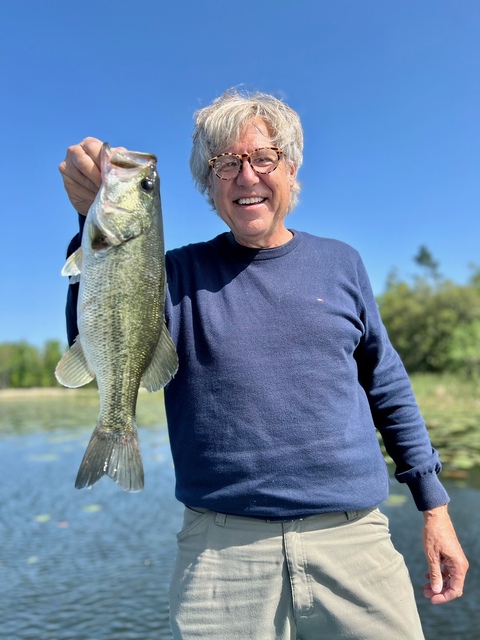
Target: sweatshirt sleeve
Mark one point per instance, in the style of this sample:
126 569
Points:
394 409
72 293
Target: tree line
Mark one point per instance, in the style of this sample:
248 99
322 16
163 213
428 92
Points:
433 323
23 365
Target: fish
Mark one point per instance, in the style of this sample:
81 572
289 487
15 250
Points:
123 341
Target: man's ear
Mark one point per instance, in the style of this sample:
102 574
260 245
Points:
292 175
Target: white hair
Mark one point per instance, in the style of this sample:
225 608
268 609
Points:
222 123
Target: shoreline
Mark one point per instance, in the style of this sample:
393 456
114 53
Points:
46 392
34 392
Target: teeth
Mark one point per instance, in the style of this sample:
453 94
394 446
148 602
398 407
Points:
250 200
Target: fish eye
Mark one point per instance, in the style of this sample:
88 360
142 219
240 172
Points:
147 184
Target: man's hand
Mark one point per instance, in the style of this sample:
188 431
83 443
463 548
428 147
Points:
446 561
81 173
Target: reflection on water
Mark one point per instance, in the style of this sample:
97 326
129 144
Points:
95 564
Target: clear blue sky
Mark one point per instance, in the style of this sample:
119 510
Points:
388 92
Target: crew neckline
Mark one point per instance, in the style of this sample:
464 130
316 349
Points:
227 242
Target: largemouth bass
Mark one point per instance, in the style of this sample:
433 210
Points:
123 340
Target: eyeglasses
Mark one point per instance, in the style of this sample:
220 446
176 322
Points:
228 165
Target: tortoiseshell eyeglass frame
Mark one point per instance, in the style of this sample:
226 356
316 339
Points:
245 156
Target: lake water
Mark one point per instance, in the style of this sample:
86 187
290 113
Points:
95 564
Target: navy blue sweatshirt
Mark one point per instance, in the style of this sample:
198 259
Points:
286 372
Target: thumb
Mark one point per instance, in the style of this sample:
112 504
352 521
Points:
435 575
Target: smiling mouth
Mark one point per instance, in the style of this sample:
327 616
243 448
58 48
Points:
245 201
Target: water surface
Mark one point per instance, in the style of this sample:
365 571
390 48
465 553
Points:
95 564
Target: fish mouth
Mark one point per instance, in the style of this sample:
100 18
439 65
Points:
125 159
132 159
251 200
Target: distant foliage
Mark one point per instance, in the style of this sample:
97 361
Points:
432 322
23 365
465 349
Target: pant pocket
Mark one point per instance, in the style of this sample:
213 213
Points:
191 520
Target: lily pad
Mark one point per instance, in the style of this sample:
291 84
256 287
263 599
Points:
92 508
43 517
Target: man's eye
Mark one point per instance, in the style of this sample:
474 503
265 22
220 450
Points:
229 164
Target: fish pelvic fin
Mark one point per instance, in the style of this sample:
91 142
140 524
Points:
73 266
164 363
73 371
115 455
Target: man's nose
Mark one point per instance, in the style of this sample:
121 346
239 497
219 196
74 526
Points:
247 175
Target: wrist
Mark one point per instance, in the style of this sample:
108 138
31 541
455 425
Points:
435 512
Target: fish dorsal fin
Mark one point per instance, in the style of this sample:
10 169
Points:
73 266
163 365
73 370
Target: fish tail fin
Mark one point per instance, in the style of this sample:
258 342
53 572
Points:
117 456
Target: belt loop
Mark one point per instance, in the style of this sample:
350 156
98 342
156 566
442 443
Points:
220 519
351 515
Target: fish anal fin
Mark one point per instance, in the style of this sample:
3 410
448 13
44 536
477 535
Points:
73 371
164 363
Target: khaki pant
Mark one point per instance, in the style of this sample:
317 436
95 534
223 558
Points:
327 577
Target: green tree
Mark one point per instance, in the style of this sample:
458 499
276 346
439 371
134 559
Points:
26 366
23 365
465 349
6 364
51 353
475 276
403 311
424 258
423 316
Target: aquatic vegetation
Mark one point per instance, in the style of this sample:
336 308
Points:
451 408
449 403
34 410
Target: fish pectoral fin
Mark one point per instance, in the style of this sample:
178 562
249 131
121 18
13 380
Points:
73 370
73 266
116 455
164 364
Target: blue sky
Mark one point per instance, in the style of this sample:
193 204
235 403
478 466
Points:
388 92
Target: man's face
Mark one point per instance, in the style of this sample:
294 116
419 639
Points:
254 205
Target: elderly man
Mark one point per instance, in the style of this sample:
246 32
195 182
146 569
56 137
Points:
285 374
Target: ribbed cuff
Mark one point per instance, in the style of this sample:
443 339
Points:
427 490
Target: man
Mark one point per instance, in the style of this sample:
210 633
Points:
285 372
